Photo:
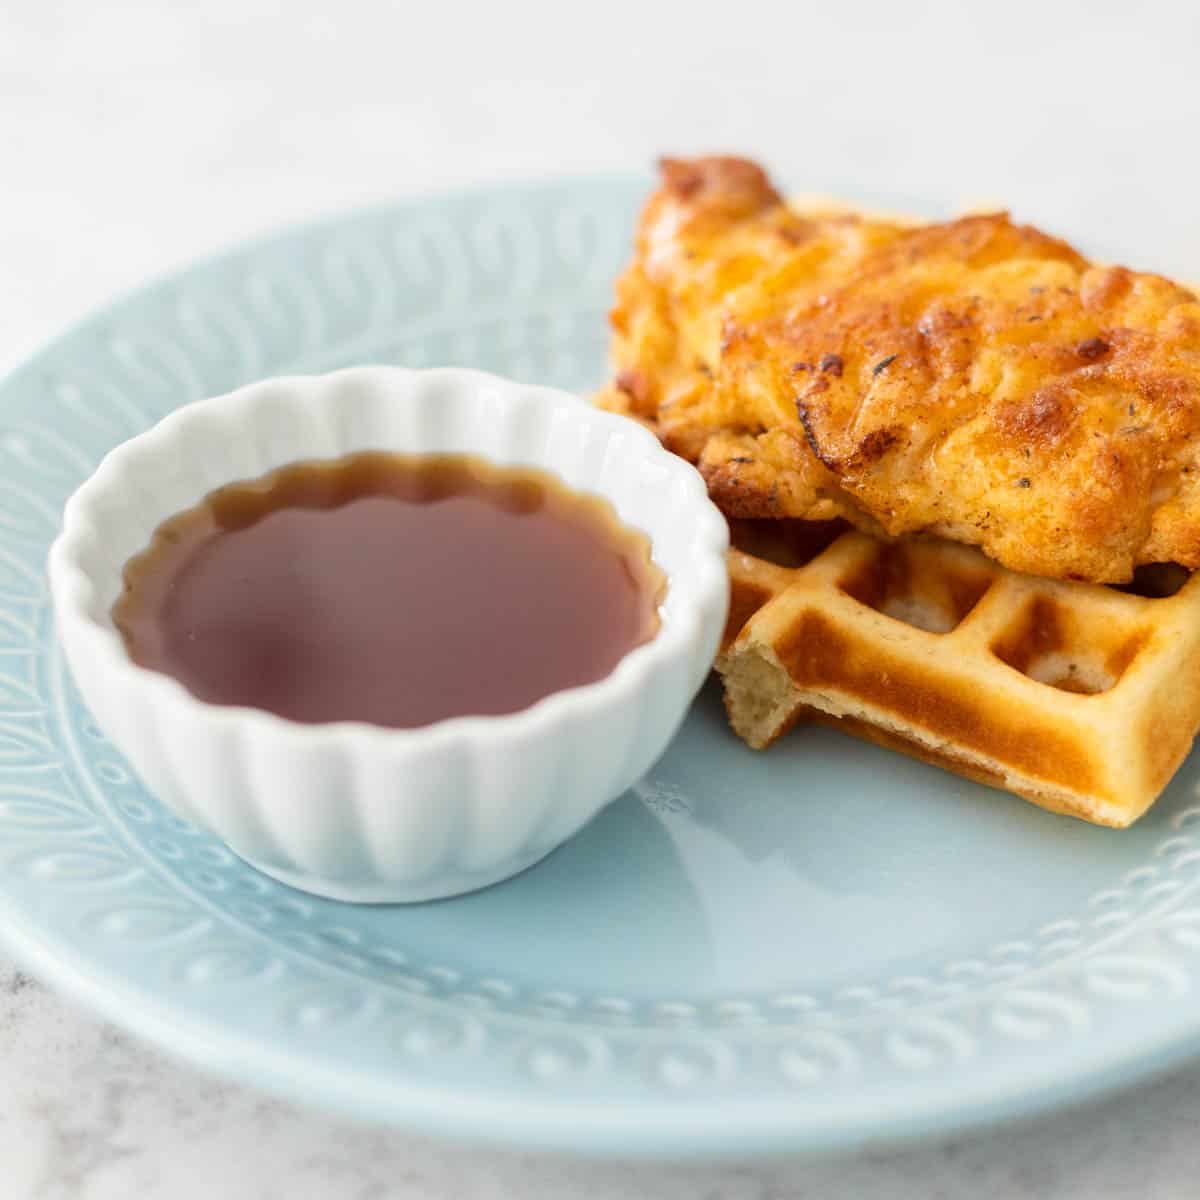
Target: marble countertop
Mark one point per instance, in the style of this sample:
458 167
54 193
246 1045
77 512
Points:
139 135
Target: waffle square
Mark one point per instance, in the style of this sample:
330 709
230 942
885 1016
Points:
1083 699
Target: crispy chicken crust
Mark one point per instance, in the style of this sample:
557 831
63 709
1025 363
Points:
973 379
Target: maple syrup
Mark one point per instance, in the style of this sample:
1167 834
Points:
390 589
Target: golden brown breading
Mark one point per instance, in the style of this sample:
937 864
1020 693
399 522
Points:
974 379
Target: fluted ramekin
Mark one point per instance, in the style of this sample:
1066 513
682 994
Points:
354 811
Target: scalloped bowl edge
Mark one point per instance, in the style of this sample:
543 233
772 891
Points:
349 810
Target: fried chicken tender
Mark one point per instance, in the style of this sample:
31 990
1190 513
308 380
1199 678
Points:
973 379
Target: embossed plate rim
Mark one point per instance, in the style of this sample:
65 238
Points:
504 1106
714 1133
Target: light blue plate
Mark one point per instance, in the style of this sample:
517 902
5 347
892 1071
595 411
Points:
820 946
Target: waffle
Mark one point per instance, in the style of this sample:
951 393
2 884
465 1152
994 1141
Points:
1083 699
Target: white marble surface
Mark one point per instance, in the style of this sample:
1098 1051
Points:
135 136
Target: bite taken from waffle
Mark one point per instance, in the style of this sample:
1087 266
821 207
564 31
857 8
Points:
945 451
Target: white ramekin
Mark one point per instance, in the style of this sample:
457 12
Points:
350 810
